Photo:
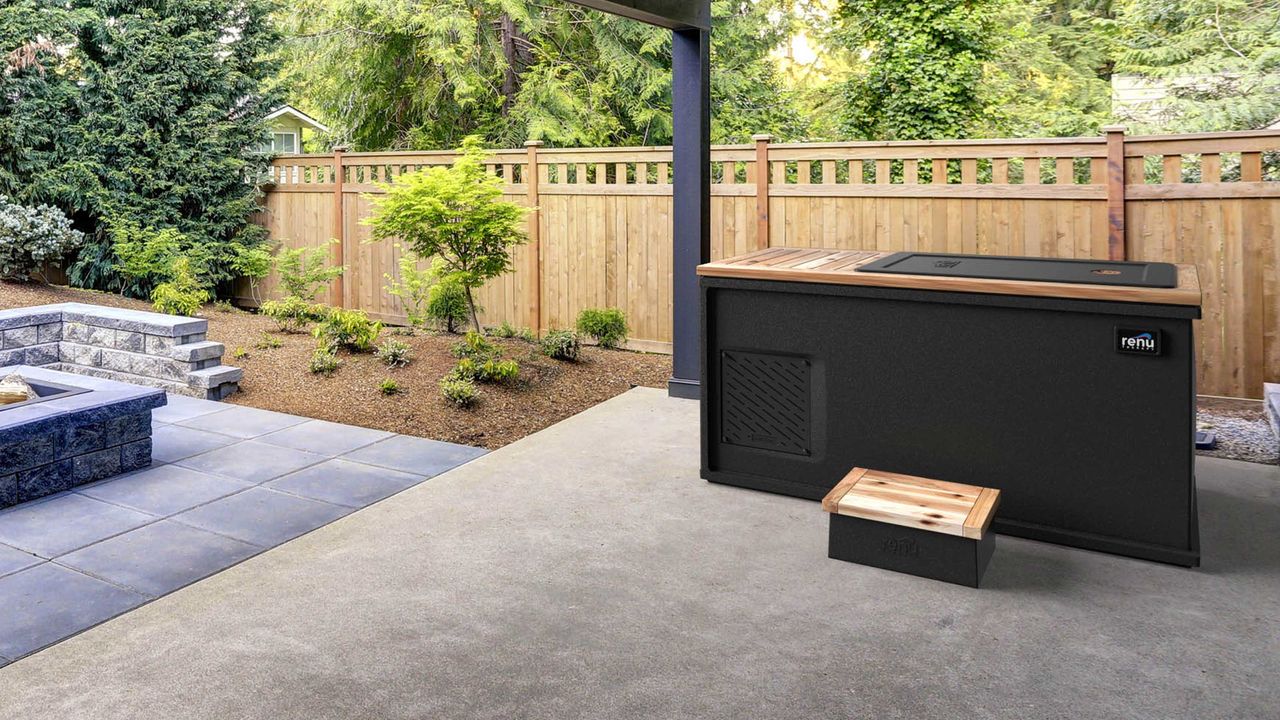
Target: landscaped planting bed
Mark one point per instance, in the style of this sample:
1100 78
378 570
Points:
277 378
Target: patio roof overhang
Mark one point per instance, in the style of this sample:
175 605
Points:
673 14
690 23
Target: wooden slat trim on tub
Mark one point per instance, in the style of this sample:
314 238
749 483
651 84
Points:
839 267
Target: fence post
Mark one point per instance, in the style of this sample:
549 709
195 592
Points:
535 238
337 293
1116 245
762 190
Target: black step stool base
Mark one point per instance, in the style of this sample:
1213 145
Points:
933 555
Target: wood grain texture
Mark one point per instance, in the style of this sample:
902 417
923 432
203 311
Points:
880 196
813 266
917 502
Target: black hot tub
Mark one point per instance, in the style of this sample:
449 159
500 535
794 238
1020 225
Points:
1075 399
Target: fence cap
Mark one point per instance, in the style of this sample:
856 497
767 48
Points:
1114 128
762 136
533 143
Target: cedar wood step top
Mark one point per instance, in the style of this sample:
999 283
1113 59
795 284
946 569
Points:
922 503
840 267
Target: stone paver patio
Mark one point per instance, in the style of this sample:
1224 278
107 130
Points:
226 483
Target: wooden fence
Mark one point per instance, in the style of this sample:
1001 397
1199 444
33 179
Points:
601 235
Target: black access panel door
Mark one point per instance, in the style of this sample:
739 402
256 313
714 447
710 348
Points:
1051 400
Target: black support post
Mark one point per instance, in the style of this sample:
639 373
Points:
691 166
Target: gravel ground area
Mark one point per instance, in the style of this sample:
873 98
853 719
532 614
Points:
277 378
1242 429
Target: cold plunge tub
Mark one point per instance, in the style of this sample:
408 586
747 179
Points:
80 430
1075 399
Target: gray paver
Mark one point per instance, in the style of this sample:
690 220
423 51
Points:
345 483
262 517
251 461
160 557
242 422
181 408
326 438
12 560
175 442
165 490
47 602
418 456
64 523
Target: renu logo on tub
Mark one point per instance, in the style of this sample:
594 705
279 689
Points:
1137 341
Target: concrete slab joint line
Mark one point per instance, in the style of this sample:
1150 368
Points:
134 346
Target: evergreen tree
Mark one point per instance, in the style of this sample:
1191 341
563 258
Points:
147 112
1221 59
423 74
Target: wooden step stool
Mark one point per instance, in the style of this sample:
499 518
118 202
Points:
911 524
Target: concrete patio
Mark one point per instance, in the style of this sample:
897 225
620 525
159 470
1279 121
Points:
587 572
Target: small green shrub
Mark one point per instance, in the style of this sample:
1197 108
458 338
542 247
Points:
324 361
476 347
561 345
293 314
253 264
303 273
240 353
506 330
491 370
447 302
349 329
459 391
182 295
607 325
402 330
266 342
224 306
389 387
32 236
395 353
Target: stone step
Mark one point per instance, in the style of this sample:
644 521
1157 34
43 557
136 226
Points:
1271 397
197 351
214 376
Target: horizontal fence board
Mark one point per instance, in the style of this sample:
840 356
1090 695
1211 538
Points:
603 223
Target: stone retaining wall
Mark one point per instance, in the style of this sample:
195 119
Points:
143 348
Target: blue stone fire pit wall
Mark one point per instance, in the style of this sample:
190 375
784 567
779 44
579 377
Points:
51 446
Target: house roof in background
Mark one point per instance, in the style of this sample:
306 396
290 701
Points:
293 112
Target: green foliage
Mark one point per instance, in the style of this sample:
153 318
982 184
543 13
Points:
607 325
324 361
240 353
348 329
456 214
507 330
476 347
252 264
1220 59
395 353
146 111
182 293
561 345
433 295
389 387
267 342
924 67
489 370
293 314
304 272
224 306
459 391
426 74
32 236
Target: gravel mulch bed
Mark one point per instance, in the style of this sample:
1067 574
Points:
277 378
1242 429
